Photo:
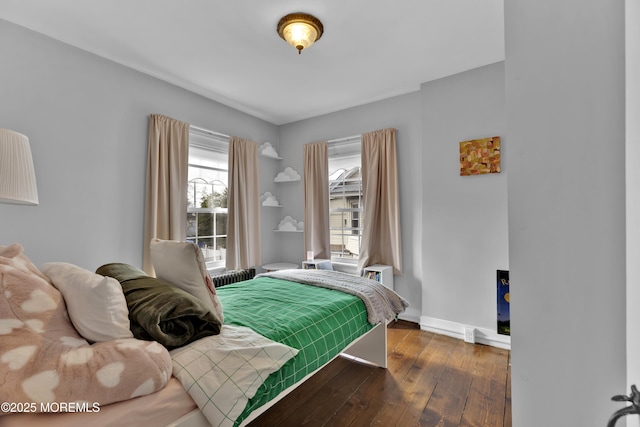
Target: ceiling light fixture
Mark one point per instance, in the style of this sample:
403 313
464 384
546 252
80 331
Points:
300 30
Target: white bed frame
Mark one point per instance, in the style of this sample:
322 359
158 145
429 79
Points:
369 348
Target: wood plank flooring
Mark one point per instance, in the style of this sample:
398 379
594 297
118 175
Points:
431 380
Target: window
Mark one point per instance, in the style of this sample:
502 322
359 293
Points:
207 196
355 217
345 200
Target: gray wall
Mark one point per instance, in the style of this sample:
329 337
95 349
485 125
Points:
402 113
454 228
465 238
632 154
566 197
87 120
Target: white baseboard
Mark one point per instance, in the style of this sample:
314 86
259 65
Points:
410 315
456 330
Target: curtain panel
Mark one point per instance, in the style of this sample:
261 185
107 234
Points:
243 228
381 232
166 189
316 200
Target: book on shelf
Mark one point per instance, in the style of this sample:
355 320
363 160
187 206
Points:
373 275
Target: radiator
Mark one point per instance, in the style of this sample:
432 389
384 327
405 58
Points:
233 276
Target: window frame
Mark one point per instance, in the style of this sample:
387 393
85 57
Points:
206 141
347 236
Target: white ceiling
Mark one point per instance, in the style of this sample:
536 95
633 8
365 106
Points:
229 50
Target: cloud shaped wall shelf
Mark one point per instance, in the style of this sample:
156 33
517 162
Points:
267 150
288 223
268 199
287 175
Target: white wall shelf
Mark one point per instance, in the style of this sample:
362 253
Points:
289 174
267 150
269 200
317 264
380 273
290 224
270 157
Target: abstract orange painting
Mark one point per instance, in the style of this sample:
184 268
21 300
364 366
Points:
480 156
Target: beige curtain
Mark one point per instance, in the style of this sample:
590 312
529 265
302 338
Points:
243 231
381 233
316 200
167 174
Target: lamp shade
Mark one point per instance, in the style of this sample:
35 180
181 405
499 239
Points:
17 175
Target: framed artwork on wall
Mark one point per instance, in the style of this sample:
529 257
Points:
480 156
504 316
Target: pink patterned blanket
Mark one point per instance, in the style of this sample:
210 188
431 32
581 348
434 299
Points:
45 365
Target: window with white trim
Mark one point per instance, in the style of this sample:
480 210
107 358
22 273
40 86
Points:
345 200
207 195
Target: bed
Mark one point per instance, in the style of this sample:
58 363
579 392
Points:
283 313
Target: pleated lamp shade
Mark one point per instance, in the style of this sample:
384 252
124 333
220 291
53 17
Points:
17 175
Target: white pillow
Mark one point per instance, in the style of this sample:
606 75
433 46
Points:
96 305
182 264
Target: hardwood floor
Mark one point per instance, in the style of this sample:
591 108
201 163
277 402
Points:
431 380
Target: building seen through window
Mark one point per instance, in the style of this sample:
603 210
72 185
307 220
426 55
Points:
207 195
345 201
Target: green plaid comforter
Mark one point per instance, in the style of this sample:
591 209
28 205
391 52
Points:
319 322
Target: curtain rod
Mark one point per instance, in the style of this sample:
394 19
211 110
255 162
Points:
209 132
222 135
345 139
